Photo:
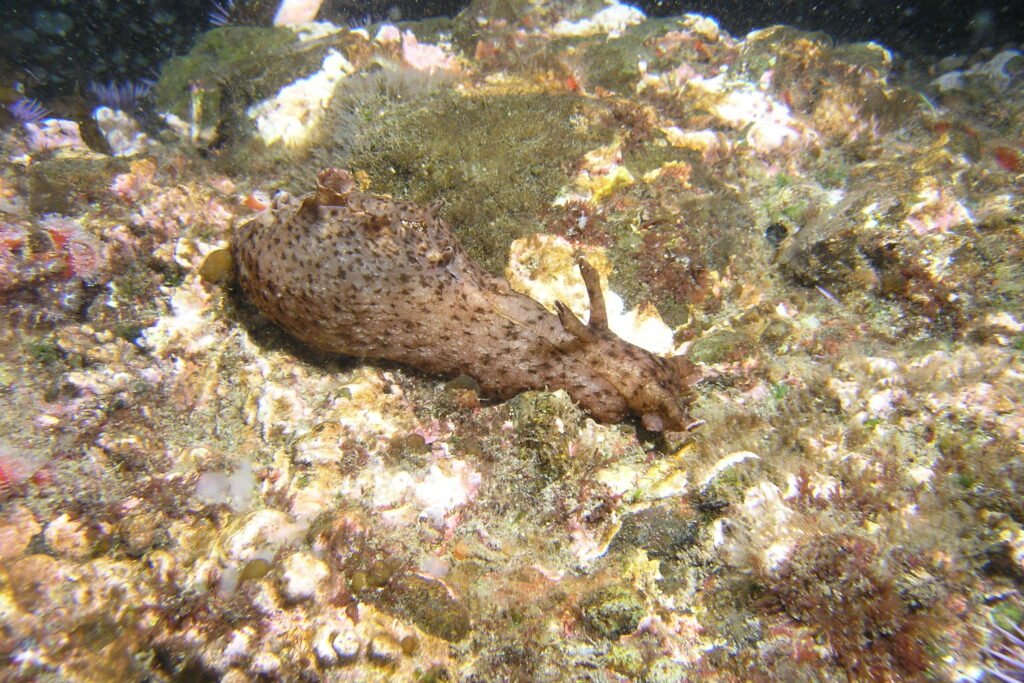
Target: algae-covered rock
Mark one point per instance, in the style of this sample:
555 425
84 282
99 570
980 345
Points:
609 62
688 234
231 67
509 10
721 346
660 531
826 254
427 603
888 243
625 659
612 612
613 63
543 431
664 670
61 184
845 90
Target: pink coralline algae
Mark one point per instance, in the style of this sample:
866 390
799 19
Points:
12 239
59 249
54 134
17 466
425 57
164 215
936 212
132 185
83 255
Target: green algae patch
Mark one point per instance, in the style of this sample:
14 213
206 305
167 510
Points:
660 531
495 158
603 61
626 660
653 154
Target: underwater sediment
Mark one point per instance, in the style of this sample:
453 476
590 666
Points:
834 242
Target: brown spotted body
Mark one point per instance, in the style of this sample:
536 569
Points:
369 276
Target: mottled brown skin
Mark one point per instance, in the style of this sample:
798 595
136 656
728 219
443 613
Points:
363 275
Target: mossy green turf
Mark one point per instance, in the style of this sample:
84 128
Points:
496 160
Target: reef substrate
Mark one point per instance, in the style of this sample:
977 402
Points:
835 242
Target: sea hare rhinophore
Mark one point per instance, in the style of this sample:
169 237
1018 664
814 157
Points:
364 275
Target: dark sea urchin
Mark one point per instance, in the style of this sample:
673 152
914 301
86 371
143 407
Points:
26 110
123 95
1009 655
240 13
221 14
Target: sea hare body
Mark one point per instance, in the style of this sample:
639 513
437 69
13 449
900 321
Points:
363 275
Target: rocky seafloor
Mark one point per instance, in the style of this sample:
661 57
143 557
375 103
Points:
832 235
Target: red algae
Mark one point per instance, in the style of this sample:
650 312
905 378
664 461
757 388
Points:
1008 159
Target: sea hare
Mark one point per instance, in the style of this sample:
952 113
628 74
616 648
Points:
365 275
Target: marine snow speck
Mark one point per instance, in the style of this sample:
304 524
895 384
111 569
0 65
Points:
365 275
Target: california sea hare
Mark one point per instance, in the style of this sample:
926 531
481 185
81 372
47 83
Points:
365 275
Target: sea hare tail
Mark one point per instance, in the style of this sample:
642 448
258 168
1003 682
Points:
598 312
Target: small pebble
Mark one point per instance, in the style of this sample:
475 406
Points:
384 650
265 663
301 573
217 266
34 581
323 648
17 527
139 530
346 645
69 537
